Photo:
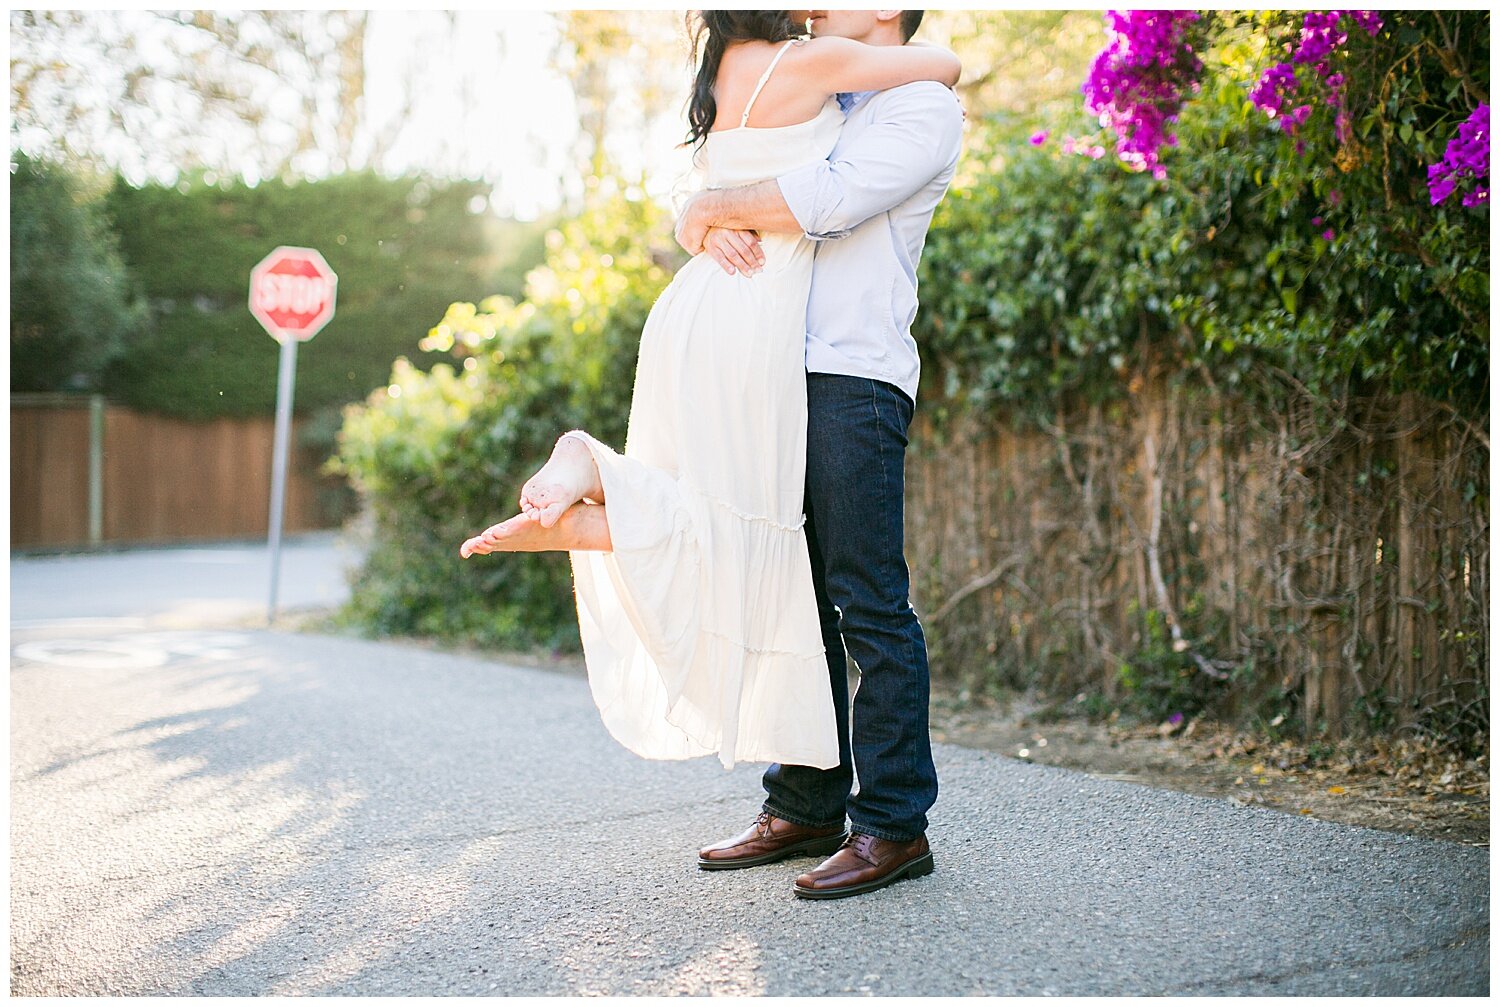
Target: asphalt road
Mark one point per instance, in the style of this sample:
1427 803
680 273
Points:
198 585
203 808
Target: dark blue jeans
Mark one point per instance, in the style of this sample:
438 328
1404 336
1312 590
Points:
856 453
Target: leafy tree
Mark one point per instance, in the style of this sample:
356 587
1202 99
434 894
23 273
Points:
151 93
72 311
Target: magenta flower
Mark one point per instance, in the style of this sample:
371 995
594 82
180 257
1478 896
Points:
1328 234
1073 145
1320 39
1295 117
1136 84
1440 183
1039 137
1275 84
1466 162
1369 20
1320 36
1335 97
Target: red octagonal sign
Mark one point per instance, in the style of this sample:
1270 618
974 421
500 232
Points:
292 292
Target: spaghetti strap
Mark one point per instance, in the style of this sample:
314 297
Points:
745 118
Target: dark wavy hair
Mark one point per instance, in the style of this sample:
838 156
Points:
711 32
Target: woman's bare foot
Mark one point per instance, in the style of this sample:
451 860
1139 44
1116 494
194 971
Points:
569 476
584 527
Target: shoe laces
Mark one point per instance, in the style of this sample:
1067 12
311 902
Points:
763 823
863 845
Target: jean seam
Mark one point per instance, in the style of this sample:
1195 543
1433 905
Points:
881 834
768 807
912 656
881 447
879 453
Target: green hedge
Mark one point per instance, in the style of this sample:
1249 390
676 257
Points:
403 250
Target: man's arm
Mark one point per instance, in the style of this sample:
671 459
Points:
917 136
757 207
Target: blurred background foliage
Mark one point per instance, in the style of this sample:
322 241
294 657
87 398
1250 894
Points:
72 307
401 248
442 454
1049 272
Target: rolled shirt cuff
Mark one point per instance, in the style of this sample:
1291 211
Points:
799 188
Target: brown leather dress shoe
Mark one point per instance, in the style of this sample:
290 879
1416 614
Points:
863 864
770 839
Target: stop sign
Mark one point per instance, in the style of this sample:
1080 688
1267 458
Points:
292 292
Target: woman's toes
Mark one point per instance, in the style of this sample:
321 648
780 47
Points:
548 515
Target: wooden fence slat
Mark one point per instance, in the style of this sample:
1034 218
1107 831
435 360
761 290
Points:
1331 555
49 475
165 480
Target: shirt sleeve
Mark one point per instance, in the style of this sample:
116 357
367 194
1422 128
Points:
915 135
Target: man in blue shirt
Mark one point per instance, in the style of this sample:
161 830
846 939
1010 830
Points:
868 207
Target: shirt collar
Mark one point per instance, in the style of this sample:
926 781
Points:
848 100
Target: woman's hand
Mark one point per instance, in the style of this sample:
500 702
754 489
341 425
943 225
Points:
735 250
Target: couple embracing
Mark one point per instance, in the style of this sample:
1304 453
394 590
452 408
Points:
750 534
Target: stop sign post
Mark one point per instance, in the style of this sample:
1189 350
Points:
292 293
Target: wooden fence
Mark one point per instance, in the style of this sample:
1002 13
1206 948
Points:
154 479
1329 560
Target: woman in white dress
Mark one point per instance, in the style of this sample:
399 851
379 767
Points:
695 597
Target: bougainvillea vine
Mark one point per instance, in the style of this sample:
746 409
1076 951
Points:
1466 163
1137 84
1322 35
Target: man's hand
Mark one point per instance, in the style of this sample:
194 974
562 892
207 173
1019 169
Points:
735 251
692 227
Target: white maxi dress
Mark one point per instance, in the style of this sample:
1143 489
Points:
700 630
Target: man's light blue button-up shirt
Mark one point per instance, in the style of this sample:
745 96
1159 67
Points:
868 206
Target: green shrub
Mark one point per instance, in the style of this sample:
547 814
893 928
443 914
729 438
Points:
442 455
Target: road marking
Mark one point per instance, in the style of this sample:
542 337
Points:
136 650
